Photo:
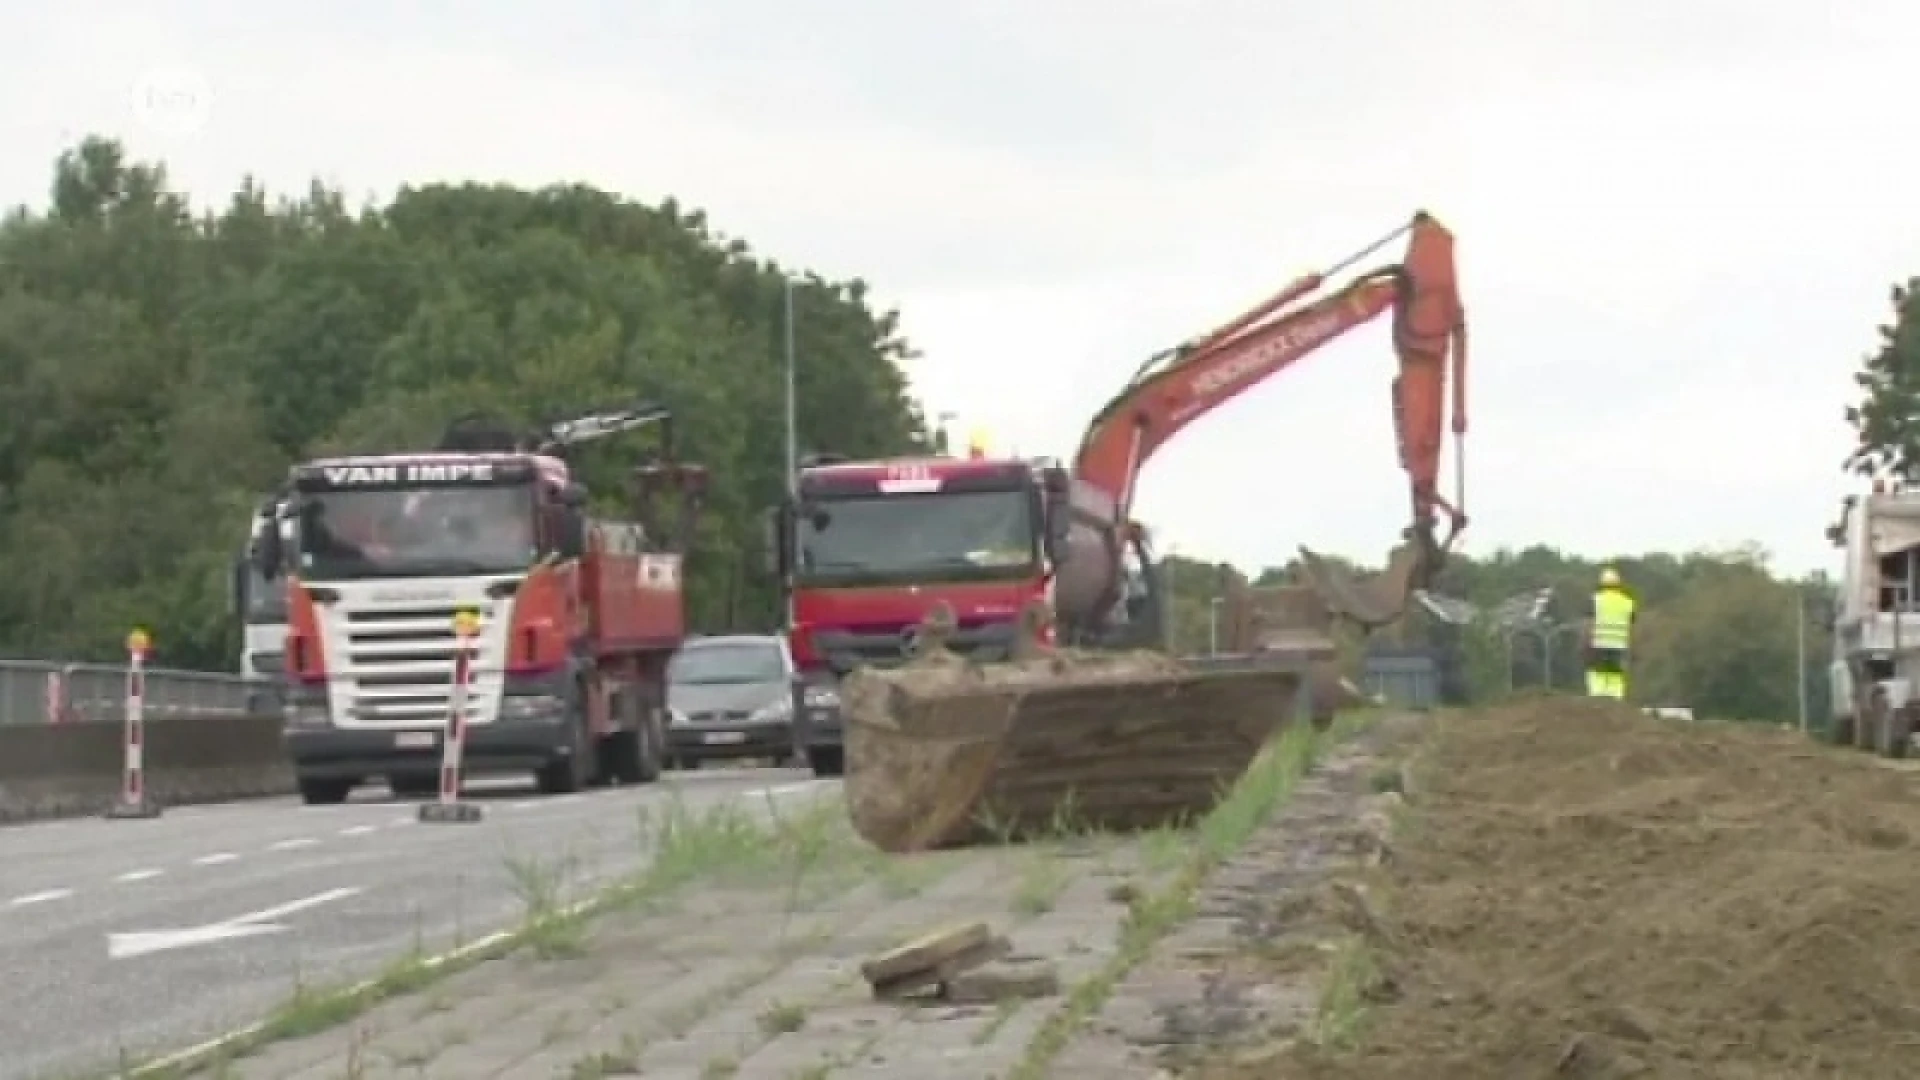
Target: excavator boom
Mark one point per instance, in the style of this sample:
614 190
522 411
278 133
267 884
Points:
1176 388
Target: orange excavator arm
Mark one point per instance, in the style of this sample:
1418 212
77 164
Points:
1178 387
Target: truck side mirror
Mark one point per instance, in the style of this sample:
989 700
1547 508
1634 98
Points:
573 496
777 553
237 584
570 540
265 554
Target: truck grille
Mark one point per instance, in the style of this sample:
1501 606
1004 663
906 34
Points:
400 665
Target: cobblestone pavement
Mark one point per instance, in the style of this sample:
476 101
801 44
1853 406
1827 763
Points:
1225 992
759 979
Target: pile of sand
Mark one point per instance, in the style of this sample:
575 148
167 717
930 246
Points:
1585 892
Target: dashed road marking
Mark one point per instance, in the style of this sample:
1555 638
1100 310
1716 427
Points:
215 859
356 830
399 821
292 843
523 804
138 875
39 897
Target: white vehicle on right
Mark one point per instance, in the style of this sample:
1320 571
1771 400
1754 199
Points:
1876 625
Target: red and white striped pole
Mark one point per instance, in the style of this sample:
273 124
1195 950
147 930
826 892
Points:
134 800
453 746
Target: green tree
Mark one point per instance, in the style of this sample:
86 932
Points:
1887 416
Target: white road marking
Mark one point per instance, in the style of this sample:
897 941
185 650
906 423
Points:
215 859
291 843
39 897
523 804
138 875
356 830
399 821
252 924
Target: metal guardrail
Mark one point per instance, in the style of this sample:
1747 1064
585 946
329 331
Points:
45 692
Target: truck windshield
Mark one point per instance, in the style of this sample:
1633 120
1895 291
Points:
973 535
403 532
703 665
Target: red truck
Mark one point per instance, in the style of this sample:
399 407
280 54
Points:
578 614
868 548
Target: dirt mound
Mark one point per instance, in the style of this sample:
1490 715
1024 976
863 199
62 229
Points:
1586 892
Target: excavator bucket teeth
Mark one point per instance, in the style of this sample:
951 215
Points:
1374 603
944 752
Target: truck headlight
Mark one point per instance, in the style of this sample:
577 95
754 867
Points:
531 707
773 712
821 697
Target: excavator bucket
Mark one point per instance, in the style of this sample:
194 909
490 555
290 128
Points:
1375 603
944 752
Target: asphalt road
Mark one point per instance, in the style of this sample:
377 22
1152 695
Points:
89 974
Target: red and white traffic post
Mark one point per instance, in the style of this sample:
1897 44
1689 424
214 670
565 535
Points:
453 745
134 800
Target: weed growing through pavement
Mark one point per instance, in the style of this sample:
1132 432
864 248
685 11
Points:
1343 997
782 1018
1042 879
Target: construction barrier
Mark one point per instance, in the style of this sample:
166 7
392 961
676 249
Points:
134 802
449 808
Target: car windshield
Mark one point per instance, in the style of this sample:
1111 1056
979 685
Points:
954 535
265 601
733 662
396 532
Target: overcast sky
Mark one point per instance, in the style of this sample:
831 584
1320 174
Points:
1677 221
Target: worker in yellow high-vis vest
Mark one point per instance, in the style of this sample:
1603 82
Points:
1609 637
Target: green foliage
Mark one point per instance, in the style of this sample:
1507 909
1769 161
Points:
159 369
1887 417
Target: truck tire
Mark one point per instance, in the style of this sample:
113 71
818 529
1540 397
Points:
1866 721
1839 730
636 754
1896 733
324 790
573 771
827 760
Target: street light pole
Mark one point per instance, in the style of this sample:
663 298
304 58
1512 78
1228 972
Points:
793 410
1213 626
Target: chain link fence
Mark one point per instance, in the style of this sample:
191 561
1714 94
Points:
42 692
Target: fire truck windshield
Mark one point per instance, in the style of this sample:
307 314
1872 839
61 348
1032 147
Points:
420 531
957 536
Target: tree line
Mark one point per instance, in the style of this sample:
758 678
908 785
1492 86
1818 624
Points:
160 368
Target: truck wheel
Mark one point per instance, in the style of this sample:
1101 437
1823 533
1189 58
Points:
573 772
1896 733
653 745
1866 721
1839 731
324 790
827 760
